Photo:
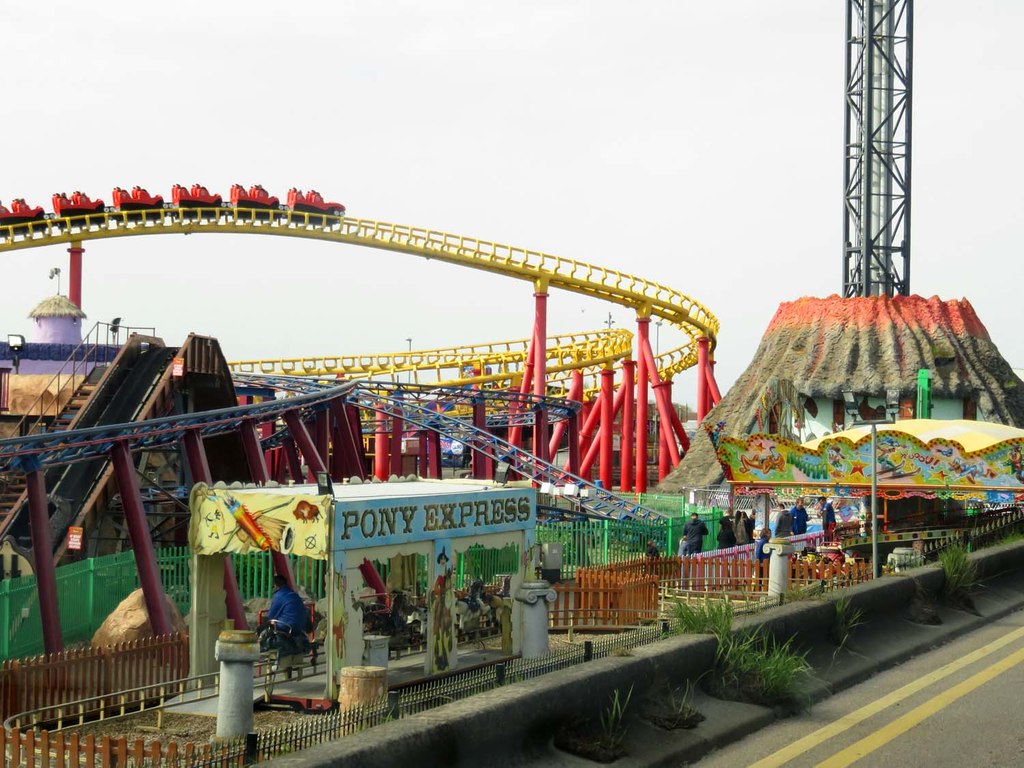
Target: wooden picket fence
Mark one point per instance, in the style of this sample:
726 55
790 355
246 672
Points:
605 598
45 683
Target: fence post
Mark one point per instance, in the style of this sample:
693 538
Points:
394 705
5 618
588 650
499 673
604 546
250 749
90 591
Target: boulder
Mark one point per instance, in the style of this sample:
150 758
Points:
130 621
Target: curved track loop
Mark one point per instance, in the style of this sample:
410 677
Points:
587 351
417 407
543 270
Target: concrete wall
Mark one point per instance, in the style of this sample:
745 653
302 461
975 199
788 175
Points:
519 718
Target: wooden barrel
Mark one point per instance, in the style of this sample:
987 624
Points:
361 686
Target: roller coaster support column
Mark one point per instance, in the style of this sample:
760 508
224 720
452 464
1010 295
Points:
595 415
396 442
575 393
259 474
199 469
434 453
346 454
380 447
142 542
515 433
626 438
662 399
540 376
665 435
301 436
42 555
702 378
322 434
714 396
75 273
291 453
574 444
607 425
483 467
643 328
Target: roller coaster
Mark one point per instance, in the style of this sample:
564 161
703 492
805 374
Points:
560 389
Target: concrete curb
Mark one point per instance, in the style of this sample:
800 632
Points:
513 725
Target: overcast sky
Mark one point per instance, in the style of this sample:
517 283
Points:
695 144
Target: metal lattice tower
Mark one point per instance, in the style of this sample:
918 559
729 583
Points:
876 172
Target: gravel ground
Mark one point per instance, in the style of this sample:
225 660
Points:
180 727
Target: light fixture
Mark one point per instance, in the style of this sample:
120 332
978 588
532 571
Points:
15 343
892 402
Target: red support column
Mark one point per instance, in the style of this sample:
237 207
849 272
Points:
322 435
626 438
540 376
663 402
664 436
575 393
358 447
434 446
591 454
483 467
142 543
713 393
199 468
702 378
397 427
294 463
42 556
574 444
75 273
643 328
607 426
380 447
305 443
515 433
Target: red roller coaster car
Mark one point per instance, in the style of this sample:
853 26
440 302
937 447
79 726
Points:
197 197
76 205
136 200
256 197
20 213
312 202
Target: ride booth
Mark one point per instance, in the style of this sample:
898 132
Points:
396 553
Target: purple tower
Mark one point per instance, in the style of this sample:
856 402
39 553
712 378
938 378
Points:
57 321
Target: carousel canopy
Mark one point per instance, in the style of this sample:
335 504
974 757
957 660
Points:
971 435
916 457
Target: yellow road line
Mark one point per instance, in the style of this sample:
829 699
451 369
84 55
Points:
847 721
884 735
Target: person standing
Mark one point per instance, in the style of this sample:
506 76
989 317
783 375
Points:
693 536
784 524
760 553
726 534
748 523
739 528
799 514
828 518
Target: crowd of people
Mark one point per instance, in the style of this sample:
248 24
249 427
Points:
739 529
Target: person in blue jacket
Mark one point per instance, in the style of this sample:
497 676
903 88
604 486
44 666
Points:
761 554
286 608
799 514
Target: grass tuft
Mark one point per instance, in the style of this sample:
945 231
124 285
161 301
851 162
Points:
762 670
708 617
961 573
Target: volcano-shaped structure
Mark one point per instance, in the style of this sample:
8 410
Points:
814 349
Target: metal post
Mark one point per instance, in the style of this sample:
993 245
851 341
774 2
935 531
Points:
875 570
42 555
702 378
292 454
397 428
380 447
142 542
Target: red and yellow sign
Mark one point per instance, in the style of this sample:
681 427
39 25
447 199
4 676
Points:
226 520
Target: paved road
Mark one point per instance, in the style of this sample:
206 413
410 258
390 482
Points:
959 705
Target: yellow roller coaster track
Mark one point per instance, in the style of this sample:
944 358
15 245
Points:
646 298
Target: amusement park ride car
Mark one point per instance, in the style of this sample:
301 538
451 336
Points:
197 196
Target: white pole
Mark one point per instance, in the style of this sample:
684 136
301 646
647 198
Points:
875 570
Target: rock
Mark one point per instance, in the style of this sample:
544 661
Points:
130 621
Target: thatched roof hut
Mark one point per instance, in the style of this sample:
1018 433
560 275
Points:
867 345
56 306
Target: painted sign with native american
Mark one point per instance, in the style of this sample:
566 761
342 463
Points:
940 467
230 520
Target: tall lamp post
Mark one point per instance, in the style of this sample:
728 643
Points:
892 407
16 343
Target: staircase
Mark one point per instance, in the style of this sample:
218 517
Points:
75 404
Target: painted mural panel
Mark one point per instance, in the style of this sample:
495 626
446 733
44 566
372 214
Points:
441 605
905 465
228 520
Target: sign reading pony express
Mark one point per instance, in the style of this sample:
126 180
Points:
430 517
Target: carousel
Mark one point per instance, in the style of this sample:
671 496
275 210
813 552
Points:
938 481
